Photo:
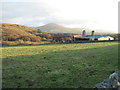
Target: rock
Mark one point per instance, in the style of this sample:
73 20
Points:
103 85
112 82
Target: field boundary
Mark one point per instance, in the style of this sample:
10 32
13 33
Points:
64 43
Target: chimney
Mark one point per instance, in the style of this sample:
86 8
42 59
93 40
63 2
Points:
92 33
83 33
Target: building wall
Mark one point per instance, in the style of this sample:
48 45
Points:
106 38
111 38
92 39
83 39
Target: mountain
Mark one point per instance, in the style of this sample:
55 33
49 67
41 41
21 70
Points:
55 28
13 32
52 27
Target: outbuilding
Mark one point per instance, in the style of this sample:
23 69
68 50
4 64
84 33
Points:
94 38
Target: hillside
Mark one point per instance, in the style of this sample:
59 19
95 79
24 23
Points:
56 28
13 32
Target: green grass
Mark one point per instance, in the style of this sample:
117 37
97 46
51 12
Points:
59 65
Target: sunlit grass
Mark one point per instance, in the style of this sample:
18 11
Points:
32 50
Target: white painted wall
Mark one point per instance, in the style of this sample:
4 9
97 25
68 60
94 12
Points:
106 38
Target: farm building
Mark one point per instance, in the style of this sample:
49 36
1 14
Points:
92 37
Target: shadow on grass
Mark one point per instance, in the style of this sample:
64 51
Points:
60 69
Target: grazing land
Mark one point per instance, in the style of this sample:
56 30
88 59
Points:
59 65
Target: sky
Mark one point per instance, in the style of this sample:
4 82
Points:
92 14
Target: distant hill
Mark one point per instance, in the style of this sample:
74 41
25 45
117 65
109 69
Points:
13 32
55 28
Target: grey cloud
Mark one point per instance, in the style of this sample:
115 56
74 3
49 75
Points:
16 10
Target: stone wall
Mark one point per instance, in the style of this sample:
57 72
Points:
112 82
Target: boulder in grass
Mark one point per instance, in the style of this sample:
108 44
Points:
112 82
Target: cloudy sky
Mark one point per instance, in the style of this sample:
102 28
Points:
93 14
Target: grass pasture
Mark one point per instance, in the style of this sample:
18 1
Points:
60 65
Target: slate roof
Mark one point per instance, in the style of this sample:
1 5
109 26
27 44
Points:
96 37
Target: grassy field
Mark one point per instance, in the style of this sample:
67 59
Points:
59 65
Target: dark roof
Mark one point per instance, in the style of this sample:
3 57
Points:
96 37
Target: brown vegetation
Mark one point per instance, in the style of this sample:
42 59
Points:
14 43
14 34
